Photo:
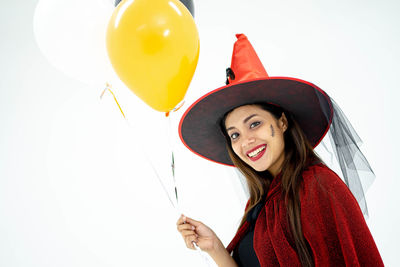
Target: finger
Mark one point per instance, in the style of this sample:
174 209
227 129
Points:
193 222
192 245
188 232
189 241
185 226
180 220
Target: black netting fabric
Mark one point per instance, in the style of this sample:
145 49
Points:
356 170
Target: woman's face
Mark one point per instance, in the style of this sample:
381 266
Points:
257 137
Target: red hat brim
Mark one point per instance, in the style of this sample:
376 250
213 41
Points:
199 128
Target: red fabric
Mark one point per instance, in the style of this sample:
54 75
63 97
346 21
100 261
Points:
245 63
332 224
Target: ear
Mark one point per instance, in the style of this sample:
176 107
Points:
283 123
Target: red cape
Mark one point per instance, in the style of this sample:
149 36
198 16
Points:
332 224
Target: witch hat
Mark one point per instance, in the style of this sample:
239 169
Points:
248 83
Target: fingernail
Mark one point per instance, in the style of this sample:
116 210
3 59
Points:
193 227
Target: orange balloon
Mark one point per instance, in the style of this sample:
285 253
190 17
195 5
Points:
154 48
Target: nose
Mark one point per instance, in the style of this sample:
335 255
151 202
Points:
248 141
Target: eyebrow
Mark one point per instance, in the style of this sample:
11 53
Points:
244 121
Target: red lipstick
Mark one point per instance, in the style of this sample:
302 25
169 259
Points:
260 154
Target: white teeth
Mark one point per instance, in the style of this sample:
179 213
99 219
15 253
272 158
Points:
256 152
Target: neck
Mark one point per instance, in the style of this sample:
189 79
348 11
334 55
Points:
277 167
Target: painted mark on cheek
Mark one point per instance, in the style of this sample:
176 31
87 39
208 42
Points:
272 130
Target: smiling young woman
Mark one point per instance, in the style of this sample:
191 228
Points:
268 126
299 213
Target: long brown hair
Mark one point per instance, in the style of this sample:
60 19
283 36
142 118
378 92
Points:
299 154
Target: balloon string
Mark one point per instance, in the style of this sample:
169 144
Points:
172 158
108 87
159 179
170 140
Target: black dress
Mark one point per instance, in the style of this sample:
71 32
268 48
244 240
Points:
244 254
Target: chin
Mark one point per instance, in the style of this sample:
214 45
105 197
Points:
259 168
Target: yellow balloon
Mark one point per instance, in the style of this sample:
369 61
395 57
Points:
154 48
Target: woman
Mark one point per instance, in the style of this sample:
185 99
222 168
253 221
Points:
300 213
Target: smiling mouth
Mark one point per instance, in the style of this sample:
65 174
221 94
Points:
256 152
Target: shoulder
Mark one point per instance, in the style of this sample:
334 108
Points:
322 174
323 189
321 178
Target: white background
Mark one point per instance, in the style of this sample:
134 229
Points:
75 187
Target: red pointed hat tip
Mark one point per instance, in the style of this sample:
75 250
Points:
245 63
240 36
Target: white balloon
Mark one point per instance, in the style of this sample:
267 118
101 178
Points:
71 35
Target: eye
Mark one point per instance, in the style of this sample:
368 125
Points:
234 136
254 124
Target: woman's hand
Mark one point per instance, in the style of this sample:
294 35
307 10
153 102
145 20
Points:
195 231
206 239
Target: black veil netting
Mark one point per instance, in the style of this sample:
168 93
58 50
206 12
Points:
357 172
